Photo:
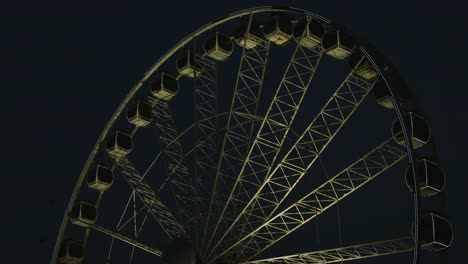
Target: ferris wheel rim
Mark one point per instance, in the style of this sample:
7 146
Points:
180 45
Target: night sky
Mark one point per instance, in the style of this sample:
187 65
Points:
66 68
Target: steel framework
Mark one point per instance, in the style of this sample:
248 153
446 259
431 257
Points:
231 188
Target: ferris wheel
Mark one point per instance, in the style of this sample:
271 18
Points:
248 129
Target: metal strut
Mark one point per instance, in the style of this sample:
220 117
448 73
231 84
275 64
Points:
205 153
374 249
157 209
280 181
316 202
172 148
128 240
273 131
238 128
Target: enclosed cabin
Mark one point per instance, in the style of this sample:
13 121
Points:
382 94
248 36
100 178
278 29
339 44
218 46
119 144
71 252
139 113
362 67
419 131
436 232
430 177
189 64
308 32
83 214
164 87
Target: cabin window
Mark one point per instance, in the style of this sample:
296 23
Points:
225 43
284 24
210 43
124 141
299 28
182 61
420 129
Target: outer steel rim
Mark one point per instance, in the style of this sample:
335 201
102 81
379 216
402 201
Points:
411 155
263 9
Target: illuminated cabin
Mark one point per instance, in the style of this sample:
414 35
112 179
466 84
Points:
250 39
436 232
119 144
139 113
362 68
71 252
164 87
382 94
420 133
338 44
83 214
278 29
431 178
218 46
188 64
308 32
365 69
100 178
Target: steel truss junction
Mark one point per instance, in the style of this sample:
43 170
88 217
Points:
230 184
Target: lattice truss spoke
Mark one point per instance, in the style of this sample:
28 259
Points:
316 202
179 178
286 174
205 140
273 129
146 194
239 126
308 147
126 239
362 251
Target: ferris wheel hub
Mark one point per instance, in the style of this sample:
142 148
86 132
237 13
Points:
180 251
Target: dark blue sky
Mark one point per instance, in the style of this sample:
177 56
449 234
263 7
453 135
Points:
66 67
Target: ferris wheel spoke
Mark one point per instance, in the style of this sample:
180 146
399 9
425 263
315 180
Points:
119 223
187 154
175 141
146 194
304 152
319 200
374 249
239 128
179 177
132 218
310 145
205 140
137 232
126 239
273 131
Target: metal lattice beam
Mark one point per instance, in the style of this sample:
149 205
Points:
316 202
374 249
126 239
273 130
239 127
205 131
180 179
304 152
156 208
